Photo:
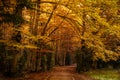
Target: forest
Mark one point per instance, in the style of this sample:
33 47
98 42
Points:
37 35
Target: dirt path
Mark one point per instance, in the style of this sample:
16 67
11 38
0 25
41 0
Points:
58 73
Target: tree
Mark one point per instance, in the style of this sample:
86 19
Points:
12 19
98 21
33 29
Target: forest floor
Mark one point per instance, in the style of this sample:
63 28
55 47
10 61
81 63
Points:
58 73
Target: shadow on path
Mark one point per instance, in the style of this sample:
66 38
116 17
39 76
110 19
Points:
58 73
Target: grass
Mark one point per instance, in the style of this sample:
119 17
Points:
104 74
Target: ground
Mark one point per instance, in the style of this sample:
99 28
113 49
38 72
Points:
58 73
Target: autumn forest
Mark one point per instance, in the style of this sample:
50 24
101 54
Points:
43 36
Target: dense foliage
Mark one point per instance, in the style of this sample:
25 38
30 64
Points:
37 34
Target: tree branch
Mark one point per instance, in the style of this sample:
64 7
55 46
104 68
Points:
44 29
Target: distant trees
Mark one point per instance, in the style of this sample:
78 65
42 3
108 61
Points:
84 58
68 59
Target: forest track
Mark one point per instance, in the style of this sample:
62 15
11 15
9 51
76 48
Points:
58 73
61 73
